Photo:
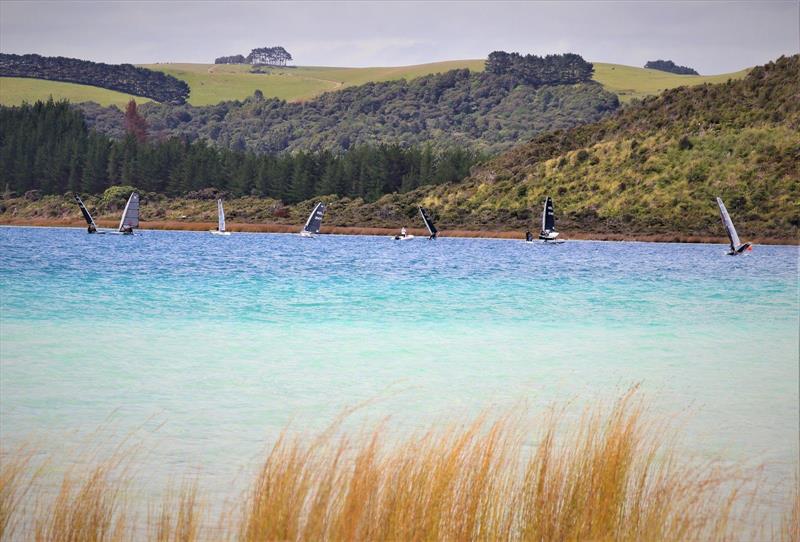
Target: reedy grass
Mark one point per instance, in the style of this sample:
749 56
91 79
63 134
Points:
611 474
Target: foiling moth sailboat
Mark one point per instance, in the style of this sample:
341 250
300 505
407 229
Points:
314 221
549 234
221 220
130 216
737 247
426 218
91 226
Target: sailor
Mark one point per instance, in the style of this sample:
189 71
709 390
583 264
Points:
433 236
403 231
91 229
528 236
127 230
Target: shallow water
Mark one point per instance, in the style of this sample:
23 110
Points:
209 346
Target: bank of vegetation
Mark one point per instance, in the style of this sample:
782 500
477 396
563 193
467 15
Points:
486 112
125 78
611 475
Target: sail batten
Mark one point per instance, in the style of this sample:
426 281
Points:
314 221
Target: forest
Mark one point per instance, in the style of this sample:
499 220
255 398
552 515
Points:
47 147
670 66
126 78
486 112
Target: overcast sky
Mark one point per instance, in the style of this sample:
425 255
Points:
712 37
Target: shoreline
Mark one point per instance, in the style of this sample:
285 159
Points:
244 227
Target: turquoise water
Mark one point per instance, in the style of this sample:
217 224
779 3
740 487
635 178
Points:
206 347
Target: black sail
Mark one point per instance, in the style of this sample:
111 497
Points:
426 218
315 219
85 211
548 216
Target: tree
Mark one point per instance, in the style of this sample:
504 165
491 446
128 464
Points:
134 123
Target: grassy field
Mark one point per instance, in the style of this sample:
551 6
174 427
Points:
213 83
15 90
629 82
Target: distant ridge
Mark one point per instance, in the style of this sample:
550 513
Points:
211 84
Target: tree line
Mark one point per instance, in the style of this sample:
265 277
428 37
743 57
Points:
670 66
48 147
120 77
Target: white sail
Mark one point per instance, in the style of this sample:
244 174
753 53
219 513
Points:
733 237
221 216
130 216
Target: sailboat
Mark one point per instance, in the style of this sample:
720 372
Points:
221 218
91 226
130 216
549 233
314 221
426 218
737 247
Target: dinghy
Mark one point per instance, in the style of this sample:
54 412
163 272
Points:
221 218
426 218
314 221
403 236
549 233
91 226
737 247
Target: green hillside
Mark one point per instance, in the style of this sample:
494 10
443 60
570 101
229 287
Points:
651 169
213 83
15 90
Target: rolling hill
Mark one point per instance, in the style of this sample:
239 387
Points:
213 83
652 168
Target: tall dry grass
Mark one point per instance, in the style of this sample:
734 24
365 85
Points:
610 474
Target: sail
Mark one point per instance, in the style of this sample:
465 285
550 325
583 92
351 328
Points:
548 216
728 223
426 218
85 211
315 219
221 215
130 216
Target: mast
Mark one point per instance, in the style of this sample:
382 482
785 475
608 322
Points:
315 219
130 216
